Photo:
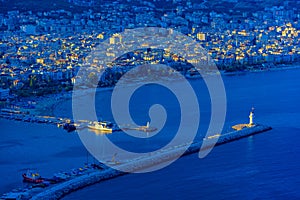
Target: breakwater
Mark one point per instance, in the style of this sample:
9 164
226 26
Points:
97 175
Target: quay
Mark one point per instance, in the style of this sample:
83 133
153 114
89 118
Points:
21 116
65 123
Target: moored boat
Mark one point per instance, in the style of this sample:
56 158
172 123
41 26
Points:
100 126
146 128
69 127
212 137
31 177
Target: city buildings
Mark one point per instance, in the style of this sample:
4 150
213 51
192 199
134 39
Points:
40 48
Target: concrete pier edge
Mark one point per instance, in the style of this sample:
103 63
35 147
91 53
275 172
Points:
62 189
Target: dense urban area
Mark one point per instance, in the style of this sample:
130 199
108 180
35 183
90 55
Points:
42 51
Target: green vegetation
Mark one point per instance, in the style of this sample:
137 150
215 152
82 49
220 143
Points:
36 89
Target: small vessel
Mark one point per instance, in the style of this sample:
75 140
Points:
69 127
113 160
100 126
212 137
146 128
193 74
31 177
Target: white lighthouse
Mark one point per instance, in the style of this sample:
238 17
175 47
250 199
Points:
242 126
251 117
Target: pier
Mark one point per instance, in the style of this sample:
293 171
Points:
21 116
66 123
96 175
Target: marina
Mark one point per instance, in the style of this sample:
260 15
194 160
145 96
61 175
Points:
64 183
69 125
149 99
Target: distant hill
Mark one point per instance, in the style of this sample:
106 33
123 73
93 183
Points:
248 5
216 5
37 5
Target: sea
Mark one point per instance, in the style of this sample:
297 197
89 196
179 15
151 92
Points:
263 166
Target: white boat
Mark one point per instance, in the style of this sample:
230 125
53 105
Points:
146 128
100 126
212 137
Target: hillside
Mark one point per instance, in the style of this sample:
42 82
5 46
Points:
216 5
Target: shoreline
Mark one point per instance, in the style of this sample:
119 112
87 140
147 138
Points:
47 105
270 69
67 96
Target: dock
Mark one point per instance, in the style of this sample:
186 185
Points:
20 116
65 123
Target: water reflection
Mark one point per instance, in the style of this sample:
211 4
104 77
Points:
99 132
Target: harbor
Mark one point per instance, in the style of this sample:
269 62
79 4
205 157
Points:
69 125
149 99
65 183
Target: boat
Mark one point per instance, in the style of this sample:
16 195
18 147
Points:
113 160
31 177
193 74
100 126
212 137
146 128
69 127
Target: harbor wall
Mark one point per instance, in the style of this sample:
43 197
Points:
62 189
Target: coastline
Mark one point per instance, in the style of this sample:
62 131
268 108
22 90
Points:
52 105
279 67
48 103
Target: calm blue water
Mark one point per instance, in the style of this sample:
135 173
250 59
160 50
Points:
265 166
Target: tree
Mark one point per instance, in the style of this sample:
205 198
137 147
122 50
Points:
93 78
